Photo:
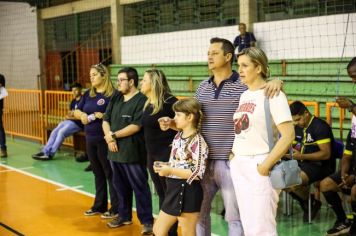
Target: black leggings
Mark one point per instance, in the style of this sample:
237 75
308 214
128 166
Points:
97 153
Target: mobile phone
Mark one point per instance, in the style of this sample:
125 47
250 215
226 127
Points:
157 164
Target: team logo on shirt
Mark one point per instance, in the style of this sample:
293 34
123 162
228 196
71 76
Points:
241 123
309 138
101 102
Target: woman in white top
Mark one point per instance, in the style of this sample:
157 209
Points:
253 158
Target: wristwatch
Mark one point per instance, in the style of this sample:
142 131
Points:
113 135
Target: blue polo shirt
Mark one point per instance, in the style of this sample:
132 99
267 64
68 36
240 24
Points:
219 105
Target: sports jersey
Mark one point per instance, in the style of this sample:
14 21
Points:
72 106
317 132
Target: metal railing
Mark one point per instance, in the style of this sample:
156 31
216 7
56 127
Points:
26 115
23 114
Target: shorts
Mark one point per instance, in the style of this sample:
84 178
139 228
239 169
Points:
182 197
315 171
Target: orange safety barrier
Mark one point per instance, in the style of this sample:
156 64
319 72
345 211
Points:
23 114
329 107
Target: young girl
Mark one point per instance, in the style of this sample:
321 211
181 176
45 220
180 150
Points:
184 170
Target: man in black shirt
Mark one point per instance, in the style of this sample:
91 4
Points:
313 147
127 152
3 93
342 180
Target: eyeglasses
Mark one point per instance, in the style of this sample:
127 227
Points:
120 80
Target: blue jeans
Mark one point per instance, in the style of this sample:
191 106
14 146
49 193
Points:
217 176
63 130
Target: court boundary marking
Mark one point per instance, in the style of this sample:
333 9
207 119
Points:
11 229
48 180
62 186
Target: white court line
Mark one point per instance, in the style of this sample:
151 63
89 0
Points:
69 188
22 168
59 184
46 180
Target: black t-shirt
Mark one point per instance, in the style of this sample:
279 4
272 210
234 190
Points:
121 114
2 82
72 106
317 132
158 142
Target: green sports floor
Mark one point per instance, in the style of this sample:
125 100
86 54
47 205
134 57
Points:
64 170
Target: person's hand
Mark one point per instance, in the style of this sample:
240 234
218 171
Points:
297 155
162 168
98 115
348 180
164 123
113 147
84 118
272 87
263 169
70 115
344 102
108 138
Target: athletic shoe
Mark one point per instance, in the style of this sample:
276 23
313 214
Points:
3 153
82 158
109 215
339 228
91 212
42 156
117 222
88 168
352 231
147 229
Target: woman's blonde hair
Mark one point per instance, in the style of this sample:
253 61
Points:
108 87
259 58
159 90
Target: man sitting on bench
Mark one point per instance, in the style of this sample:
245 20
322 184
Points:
313 148
64 129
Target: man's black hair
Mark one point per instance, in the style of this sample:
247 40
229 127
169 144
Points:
227 46
131 74
297 108
351 63
76 85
